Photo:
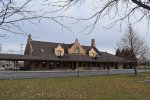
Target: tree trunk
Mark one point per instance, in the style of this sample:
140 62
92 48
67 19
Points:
135 70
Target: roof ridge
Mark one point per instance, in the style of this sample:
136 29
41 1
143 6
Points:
58 43
48 42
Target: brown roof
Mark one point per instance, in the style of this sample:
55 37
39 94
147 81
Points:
16 57
105 58
45 51
48 47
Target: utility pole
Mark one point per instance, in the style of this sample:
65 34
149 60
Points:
108 65
10 51
21 47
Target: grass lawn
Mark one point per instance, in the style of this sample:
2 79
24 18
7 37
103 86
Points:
115 87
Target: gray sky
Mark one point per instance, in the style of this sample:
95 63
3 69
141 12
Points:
106 39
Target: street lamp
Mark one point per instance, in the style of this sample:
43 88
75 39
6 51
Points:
78 70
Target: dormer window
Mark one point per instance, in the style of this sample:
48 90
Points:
77 50
59 53
92 53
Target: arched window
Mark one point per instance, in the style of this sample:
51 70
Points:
77 50
59 52
93 55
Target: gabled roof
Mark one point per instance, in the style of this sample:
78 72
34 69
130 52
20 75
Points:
48 47
45 50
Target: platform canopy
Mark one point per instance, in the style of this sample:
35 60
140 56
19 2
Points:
79 58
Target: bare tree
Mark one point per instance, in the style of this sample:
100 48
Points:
15 13
12 13
116 10
134 43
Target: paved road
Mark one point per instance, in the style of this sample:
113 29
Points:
44 74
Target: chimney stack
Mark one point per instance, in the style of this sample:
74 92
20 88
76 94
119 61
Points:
93 44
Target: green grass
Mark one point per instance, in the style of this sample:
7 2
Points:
115 87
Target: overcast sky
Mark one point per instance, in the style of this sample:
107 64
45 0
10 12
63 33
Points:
106 39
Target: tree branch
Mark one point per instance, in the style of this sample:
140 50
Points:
141 4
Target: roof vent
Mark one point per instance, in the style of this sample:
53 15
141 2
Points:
41 50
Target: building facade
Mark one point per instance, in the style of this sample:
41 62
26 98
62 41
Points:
72 56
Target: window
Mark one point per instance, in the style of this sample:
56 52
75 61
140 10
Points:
77 50
93 55
59 53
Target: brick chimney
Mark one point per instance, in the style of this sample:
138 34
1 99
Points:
93 43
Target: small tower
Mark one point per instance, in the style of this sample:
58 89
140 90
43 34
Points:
76 40
29 37
29 49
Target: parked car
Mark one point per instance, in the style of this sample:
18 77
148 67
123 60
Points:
1 68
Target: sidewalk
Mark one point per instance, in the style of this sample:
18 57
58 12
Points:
62 73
